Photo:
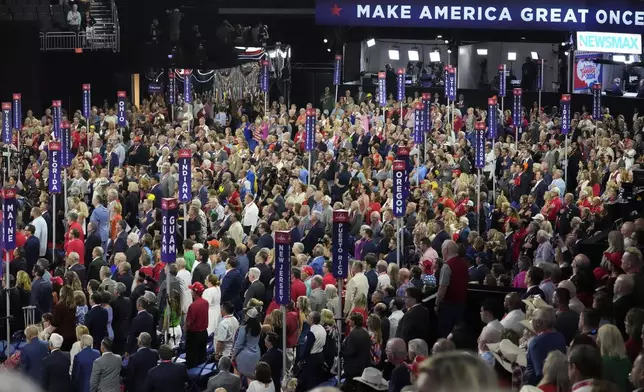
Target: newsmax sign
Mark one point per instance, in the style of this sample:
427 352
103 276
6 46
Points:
594 41
488 14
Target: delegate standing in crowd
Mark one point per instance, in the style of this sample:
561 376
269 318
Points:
106 289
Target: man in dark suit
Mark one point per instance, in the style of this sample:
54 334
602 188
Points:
167 376
133 251
256 289
616 88
623 300
441 236
32 248
315 234
356 348
265 237
83 364
41 290
413 324
143 322
32 355
120 243
96 319
533 279
138 153
370 246
140 363
121 315
570 211
92 241
539 189
94 268
55 367
74 266
253 248
231 284
124 274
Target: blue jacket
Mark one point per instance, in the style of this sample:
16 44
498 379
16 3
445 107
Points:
31 357
138 366
166 377
101 217
538 349
41 296
317 264
32 252
96 321
231 288
82 368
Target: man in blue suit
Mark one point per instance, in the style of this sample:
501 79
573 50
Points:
32 248
231 284
616 88
101 217
40 296
167 376
156 190
83 363
140 363
142 322
32 355
96 319
55 367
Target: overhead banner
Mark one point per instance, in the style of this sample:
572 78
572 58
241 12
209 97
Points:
187 85
264 80
502 80
400 174
565 15
169 230
427 112
540 75
87 100
185 175
479 145
491 118
172 87
565 114
283 267
120 109
516 107
341 244
17 111
594 41
65 145
419 123
7 132
400 85
54 167
597 101
337 70
587 72
9 215
57 117
309 130
382 88
452 83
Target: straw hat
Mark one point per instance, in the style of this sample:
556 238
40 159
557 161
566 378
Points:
534 303
372 377
507 353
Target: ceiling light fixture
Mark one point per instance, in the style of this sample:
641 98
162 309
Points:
512 56
413 54
371 42
481 52
394 53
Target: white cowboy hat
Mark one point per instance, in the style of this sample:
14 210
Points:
372 377
513 353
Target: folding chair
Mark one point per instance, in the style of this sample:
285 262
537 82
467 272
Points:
198 376
29 315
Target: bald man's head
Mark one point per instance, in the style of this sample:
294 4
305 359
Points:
396 350
449 249
512 301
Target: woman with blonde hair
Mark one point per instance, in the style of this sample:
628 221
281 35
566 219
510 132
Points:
456 371
555 373
392 271
332 300
611 346
76 347
23 283
375 333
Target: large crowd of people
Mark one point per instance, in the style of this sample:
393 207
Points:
110 313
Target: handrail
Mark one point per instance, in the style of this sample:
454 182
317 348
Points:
60 41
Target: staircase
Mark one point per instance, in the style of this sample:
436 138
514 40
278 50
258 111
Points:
102 13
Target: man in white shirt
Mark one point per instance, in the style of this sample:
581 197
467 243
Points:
225 334
40 224
383 279
490 160
250 214
74 18
493 330
514 316
357 285
397 314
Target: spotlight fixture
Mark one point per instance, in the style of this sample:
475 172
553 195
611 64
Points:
371 42
328 49
394 53
413 54
620 58
481 52
566 53
535 55
435 56
325 40
439 37
523 38
512 56
446 41
449 50
564 43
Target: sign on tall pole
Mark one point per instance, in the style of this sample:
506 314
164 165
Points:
169 230
382 88
502 86
479 163
9 216
399 201
187 85
516 115
17 111
565 129
54 179
121 120
185 184
87 100
309 136
597 101
65 156
6 123
540 64
57 117
492 122
283 280
340 249
337 74
400 85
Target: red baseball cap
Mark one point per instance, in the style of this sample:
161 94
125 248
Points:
308 269
197 287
